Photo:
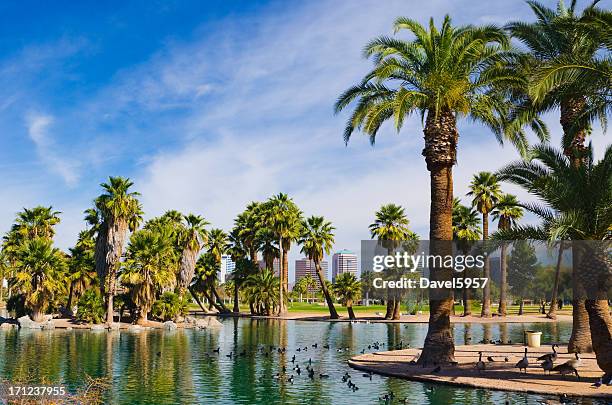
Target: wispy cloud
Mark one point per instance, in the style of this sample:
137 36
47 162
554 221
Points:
38 130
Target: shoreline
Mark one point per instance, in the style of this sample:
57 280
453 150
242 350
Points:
498 375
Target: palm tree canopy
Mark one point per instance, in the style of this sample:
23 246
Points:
317 237
281 215
347 287
459 70
194 235
391 224
507 211
466 222
575 202
485 192
119 203
217 243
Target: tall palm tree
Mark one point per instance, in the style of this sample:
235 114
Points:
485 193
38 222
119 212
444 74
561 44
506 212
41 274
317 239
284 218
192 239
147 270
391 229
205 281
348 289
81 267
568 69
466 230
217 245
578 208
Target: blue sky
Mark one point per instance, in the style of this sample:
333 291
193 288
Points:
208 105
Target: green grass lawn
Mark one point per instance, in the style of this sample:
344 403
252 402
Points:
296 307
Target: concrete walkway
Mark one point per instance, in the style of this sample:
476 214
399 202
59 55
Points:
498 375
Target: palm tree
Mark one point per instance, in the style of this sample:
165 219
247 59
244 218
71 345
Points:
81 267
506 213
485 193
216 246
119 212
41 274
191 239
348 289
205 282
579 208
147 270
317 239
262 291
284 218
300 287
391 228
566 68
444 74
466 230
37 222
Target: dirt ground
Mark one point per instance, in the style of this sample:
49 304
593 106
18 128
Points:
499 374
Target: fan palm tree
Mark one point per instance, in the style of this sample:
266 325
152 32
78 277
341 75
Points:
348 289
485 193
217 245
192 238
444 74
38 222
391 229
119 211
81 267
506 212
41 274
466 230
317 239
205 281
147 270
578 207
566 68
263 291
282 216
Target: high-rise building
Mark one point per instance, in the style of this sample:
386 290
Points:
306 266
344 261
227 266
276 265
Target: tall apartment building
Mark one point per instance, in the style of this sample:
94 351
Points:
306 266
276 265
227 267
344 261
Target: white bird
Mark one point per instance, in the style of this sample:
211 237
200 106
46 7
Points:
523 363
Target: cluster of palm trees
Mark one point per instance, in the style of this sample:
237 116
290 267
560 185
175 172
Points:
447 73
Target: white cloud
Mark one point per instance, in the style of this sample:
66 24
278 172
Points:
38 130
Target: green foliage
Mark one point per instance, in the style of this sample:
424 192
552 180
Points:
317 238
262 290
347 288
17 304
522 267
169 306
91 307
485 192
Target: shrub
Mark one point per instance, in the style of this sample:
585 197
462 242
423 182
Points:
16 304
169 306
91 307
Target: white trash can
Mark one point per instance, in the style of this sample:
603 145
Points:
533 338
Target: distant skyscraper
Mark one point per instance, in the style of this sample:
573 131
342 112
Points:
227 267
276 265
305 266
344 261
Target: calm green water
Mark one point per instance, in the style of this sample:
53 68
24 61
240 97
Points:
180 367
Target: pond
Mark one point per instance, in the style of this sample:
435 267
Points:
182 367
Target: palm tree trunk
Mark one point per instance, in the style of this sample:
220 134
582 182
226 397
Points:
396 309
236 303
552 311
503 291
333 314
282 308
37 314
219 300
486 291
521 305
390 305
580 341
70 295
600 323
349 308
440 151
195 296
116 234
467 302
